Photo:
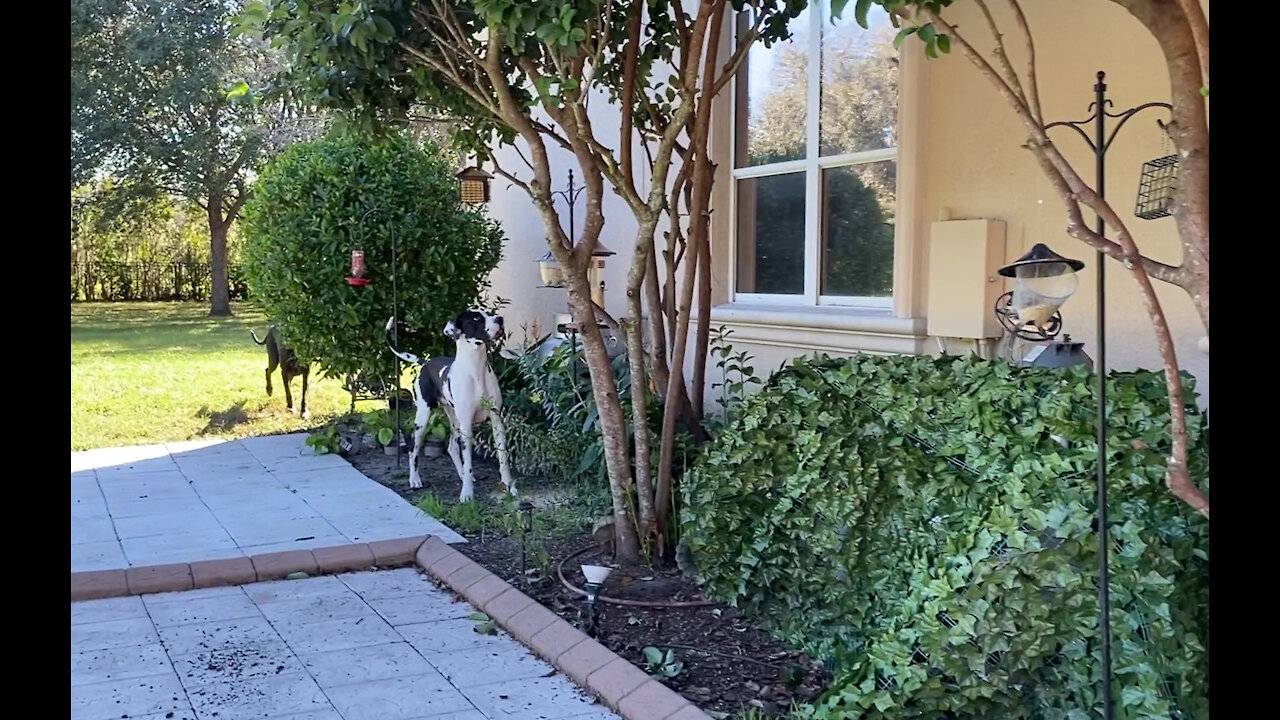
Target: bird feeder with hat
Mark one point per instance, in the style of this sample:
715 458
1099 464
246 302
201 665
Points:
1043 281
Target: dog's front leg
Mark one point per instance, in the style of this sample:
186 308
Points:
422 419
500 441
464 434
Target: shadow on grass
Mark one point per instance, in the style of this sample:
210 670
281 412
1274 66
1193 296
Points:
220 421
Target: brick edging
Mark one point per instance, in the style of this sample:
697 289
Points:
597 669
97 584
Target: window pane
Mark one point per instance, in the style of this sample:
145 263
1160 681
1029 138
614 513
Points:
857 229
859 93
771 234
771 98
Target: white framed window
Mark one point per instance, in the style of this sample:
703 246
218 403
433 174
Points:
815 164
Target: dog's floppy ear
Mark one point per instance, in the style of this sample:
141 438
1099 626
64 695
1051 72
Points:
451 331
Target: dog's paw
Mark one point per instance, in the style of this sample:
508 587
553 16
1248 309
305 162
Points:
414 483
306 414
291 411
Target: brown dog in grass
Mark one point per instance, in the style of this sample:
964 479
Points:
287 360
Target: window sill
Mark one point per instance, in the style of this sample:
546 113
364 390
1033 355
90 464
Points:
823 328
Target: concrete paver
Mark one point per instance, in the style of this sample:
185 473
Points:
208 500
334 647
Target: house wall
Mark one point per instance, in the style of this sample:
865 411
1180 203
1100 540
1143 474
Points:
960 158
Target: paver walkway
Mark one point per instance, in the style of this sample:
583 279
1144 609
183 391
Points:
383 645
208 500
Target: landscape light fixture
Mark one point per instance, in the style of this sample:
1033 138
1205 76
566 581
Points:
595 575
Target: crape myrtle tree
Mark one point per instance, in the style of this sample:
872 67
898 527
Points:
1181 29
160 100
523 73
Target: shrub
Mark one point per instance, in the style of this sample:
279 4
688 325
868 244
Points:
924 525
308 213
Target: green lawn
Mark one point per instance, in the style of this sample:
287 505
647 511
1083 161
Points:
149 372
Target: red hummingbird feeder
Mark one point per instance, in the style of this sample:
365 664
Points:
357 269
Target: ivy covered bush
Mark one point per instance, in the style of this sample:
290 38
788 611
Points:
311 208
924 525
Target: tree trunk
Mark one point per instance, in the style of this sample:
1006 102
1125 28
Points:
612 422
634 329
220 290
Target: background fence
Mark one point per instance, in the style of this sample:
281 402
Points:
117 281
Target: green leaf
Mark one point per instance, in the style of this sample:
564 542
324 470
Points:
486 628
652 656
902 35
860 10
478 616
944 44
386 435
238 91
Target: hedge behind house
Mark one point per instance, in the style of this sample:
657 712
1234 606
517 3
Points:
919 524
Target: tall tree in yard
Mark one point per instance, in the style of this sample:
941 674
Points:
523 73
1181 28
159 100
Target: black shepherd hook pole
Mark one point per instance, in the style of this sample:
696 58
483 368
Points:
1100 144
395 326
570 196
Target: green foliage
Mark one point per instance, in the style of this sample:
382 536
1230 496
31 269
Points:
437 427
325 440
924 526
382 425
734 366
934 41
368 58
662 665
321 200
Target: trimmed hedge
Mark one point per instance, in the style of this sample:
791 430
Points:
924 525
322 199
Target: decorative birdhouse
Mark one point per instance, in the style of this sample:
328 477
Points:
474 185
595 274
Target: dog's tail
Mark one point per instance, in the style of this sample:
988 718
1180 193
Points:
407 357
263 341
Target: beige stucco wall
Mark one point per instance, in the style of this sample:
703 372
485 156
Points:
968 163
960 158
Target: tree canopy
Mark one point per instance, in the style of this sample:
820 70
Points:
161 101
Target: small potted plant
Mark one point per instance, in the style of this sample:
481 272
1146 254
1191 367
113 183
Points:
382 427
437 436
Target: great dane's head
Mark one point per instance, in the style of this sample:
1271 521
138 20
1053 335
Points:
475 326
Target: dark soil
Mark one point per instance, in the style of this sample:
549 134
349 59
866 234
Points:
729 666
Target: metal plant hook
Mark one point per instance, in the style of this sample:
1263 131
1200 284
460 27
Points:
1100 143
395 312
570 196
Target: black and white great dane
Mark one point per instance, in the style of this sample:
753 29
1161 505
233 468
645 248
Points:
466 389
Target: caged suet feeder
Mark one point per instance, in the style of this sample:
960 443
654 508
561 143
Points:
1155 188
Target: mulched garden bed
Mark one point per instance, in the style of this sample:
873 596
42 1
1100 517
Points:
730 667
